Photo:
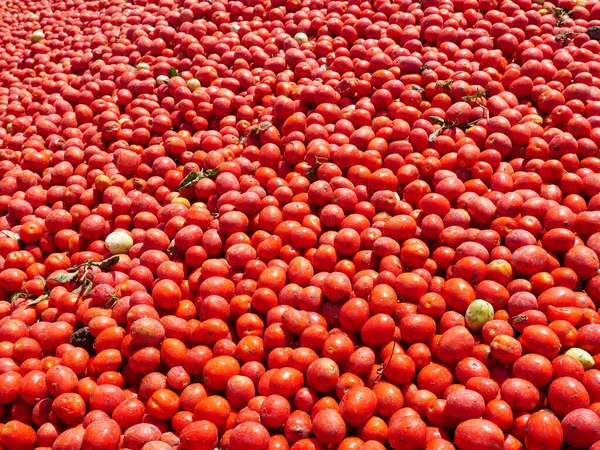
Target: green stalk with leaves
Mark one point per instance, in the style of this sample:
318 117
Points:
78 274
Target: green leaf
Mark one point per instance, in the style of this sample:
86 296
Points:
78 289
445 84
65 277
173 72
433 136
108 262
112 301
476 96
437 120
38 300
12 235
471 124
414 87
88 288
310 174
85 288
193 177
256 129
561 14
18 296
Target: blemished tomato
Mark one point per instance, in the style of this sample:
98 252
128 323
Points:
264 225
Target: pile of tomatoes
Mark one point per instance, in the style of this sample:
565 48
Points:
299 224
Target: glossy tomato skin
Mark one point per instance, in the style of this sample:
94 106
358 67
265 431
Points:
16 434
358 405
102 434
275 411
329 426
455 344
542 339
478 434
566 394
543 430
219 370
534 368
201 435
458 294
410 431
69 408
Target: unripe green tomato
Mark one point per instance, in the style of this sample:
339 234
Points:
118 242
478 314
582 356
